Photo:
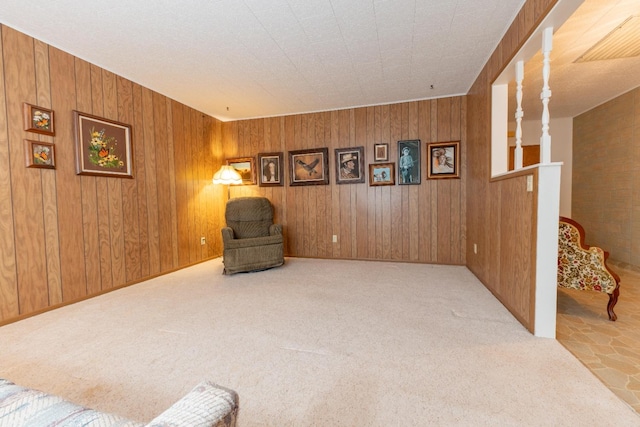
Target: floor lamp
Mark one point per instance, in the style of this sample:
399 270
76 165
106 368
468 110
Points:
227 175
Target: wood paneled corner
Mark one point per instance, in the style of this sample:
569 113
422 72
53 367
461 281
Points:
501 216
413 223
64 237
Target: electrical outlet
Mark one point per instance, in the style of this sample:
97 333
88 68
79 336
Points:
203 241
335 238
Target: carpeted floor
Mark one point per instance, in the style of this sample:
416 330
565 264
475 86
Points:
313 343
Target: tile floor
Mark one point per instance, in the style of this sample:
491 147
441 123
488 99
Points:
611 350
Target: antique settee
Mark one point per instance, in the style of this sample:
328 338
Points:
207 405
251 241
585 267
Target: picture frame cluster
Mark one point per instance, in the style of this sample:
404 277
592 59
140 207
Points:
103 148
311 166
39 120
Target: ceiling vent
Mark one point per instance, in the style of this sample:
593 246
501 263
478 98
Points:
622 42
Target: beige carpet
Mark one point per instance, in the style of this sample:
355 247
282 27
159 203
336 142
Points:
313 343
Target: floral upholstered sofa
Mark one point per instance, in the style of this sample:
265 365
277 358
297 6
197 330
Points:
206 405
584 267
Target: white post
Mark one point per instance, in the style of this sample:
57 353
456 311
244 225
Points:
547 250
518 151
545 139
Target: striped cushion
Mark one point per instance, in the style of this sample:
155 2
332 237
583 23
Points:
20 406
207 405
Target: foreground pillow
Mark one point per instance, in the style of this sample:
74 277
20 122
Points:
207 405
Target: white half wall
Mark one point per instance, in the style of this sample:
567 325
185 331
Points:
547 250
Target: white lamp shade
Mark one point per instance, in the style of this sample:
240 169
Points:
227 175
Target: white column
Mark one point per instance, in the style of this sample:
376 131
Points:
547 250
518 151
545 139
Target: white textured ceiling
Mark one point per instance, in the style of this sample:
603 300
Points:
236 59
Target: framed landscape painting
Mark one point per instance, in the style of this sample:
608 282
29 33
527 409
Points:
246 167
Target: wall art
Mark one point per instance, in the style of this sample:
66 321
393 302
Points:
103 146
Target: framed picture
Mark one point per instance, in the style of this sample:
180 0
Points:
443 160
309 167
382 174
103 146
270 169
381 152
349 165
40 154
246 167
409 162
38 119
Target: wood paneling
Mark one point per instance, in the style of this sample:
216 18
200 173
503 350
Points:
501 214
8 274
131 225
110 232
530 156
64 237
420 223
26 183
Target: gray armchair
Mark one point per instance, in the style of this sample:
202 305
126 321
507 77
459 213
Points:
251 240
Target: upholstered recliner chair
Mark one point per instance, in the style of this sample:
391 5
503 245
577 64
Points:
584 267
251 240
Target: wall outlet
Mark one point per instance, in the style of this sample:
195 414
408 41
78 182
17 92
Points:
203 241
335 238
475 248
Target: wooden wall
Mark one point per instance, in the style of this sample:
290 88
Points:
417 223
501 214
64 237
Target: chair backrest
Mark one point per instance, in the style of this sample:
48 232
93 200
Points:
249 216
581 266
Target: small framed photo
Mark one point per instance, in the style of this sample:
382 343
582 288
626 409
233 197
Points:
270 169
381 152
443 160
38 120
349 165
409 162
246 167
103 146
309 167
40 154
382 174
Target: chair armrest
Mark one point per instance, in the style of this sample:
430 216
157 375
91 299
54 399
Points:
275 230
227 234
207 405
252 242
